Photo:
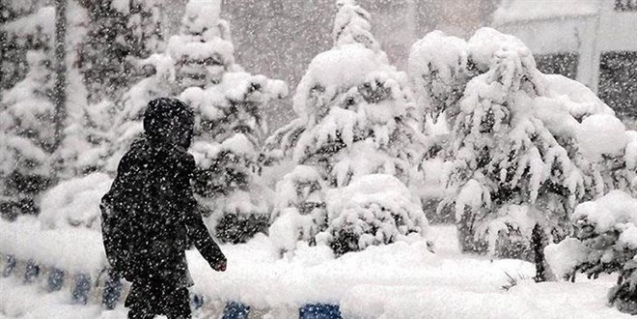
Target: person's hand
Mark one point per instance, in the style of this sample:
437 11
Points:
220 266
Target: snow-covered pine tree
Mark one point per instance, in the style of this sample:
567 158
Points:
355 119
118 31
27 131
229 124
519 169
28 134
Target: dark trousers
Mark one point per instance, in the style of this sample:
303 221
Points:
146 300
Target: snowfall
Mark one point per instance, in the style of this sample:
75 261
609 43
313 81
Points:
401 280
422 275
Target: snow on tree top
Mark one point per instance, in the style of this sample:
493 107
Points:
201 15
446 55
484 44
351 26
334 71
523 10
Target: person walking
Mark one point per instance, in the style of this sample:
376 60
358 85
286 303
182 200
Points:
150 215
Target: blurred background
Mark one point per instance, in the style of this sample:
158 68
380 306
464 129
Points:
593 41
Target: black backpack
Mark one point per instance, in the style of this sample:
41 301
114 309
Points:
124 235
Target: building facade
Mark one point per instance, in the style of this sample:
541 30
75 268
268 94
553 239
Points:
591 41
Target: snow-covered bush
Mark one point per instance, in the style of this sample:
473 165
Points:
375 209
354 115
75 202
604 239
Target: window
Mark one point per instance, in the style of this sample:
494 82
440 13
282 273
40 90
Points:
618 82
625 5
564 63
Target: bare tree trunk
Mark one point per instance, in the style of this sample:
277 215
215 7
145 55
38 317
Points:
59 89
538 242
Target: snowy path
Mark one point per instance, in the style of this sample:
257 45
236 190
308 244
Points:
398 281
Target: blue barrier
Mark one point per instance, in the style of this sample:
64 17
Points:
320 311
82 288
112 290
31 272
196 301
56 279
235 310
10 266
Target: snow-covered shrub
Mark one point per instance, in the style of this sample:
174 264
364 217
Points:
604 239
355 112
75 202
375 209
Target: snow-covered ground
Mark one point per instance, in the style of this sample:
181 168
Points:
402 280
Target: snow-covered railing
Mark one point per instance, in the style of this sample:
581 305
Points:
73 260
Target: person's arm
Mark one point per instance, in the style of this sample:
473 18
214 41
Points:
198 234
195 227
